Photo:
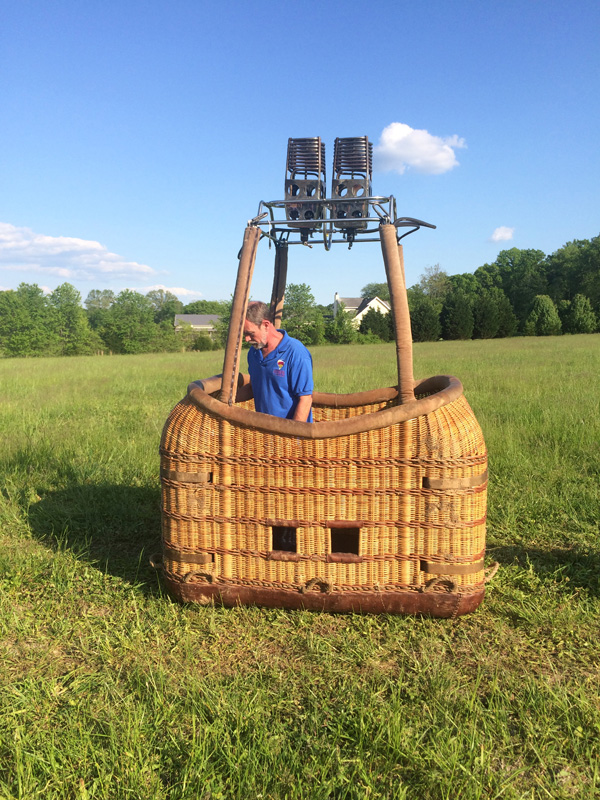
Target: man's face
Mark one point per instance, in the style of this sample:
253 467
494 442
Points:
256 335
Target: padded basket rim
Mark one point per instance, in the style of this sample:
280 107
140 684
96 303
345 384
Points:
440 390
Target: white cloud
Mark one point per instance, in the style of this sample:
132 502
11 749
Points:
402 147
502 234
176 290
23 250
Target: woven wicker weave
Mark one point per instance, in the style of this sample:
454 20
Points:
413 493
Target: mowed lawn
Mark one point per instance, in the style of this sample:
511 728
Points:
108 689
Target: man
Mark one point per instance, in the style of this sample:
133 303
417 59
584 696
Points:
280 367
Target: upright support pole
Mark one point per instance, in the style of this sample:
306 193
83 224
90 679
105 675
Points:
231 362
394 269
279 280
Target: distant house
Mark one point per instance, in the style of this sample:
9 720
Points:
199 323
357 307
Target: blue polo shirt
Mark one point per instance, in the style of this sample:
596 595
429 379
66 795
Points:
280 378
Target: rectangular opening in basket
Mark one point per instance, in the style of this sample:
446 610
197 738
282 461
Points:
284 538
345 540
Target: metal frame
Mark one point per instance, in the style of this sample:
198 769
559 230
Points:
321 231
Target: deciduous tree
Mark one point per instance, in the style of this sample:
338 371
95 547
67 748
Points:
70 323
380 290
340 330
301 317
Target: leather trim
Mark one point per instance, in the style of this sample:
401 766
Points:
437 568
455 483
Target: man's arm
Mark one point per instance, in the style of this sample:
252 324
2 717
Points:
303 407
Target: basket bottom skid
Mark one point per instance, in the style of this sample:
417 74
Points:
440 604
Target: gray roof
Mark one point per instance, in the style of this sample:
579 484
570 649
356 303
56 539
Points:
197 320
367 302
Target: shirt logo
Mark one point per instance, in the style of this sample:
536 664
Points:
280 364
279 372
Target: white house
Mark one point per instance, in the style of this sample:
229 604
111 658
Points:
357 307
199 323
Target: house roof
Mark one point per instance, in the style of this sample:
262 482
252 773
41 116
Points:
366 302
197 320
351 302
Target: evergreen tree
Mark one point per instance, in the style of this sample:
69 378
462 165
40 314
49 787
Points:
579 316
376 323
457 317
492 314
543 320
507 319
486 315
424 317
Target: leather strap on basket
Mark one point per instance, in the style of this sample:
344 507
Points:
394 269
231 363
471 482
438 568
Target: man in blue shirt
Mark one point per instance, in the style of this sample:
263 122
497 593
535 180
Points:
280 367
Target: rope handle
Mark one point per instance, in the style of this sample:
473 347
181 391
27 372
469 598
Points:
324 586
189 575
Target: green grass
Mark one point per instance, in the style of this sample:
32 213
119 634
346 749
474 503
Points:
108 689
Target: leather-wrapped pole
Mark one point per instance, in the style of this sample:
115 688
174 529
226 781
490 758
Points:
279 280
394 269
231 362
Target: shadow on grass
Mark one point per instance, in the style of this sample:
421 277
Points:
115 528
580 566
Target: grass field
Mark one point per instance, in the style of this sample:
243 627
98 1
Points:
108 689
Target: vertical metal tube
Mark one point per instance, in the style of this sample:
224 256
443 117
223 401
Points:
394 269
231 362
279 281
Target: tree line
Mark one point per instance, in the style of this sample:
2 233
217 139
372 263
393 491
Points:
523 292
35 324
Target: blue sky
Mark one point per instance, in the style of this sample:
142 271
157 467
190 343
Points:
137 138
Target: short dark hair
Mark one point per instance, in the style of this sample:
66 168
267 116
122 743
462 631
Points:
257 312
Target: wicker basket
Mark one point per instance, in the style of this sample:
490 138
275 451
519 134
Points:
379 505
